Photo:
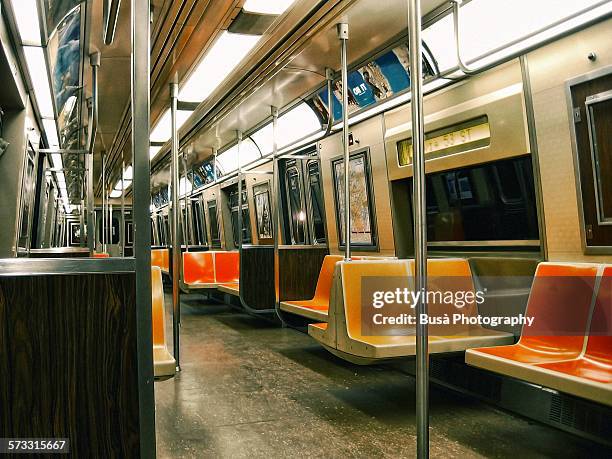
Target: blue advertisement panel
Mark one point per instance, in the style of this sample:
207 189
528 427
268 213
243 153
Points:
394 72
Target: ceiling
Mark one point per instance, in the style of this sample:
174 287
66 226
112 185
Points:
288 62
293 72
180 30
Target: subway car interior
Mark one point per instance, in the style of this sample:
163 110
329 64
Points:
306 228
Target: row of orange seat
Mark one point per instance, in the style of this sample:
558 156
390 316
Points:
161 259
206 270
564 297
569 345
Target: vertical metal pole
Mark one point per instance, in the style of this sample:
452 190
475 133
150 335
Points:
239 135
276 233
215 151
82 223
141 199
122 229
110 222
103 214
94 61
420 226
188 233
343 37
176 211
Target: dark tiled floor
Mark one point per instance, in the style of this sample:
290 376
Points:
252 389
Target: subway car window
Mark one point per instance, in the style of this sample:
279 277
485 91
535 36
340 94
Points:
316 203
246 222
213 217
296 208
199 222
490 202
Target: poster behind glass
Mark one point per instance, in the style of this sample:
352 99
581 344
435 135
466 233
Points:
376 80
363 231
75 233
263 211
65 60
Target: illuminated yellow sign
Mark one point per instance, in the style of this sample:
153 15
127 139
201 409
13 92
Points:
446 141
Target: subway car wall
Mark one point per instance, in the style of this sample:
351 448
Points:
247 228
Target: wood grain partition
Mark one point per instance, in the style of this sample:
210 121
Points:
68 361
257 278
299 271
299 268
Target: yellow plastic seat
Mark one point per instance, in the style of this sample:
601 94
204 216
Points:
164 364
343 335
317 307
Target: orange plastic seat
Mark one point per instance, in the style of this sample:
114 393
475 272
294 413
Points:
165 267
164 364
161 258
316 308
101 255
198 268
568 363
596 362
156 258
347 337
227 267
560 299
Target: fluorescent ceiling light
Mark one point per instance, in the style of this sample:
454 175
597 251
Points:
61 179
486 25
56 160
224 55
115 194
26 17
51 131
489 24
267 6
37 68
128 173
162 131
153 152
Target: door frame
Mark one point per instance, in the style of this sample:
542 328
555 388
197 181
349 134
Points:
569 84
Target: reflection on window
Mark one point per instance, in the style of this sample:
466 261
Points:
316 202
489 202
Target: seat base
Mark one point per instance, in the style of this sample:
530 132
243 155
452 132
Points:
231 289
538 374
164 365
303 309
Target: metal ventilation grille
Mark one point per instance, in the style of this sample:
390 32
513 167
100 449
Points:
579 415
457 374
